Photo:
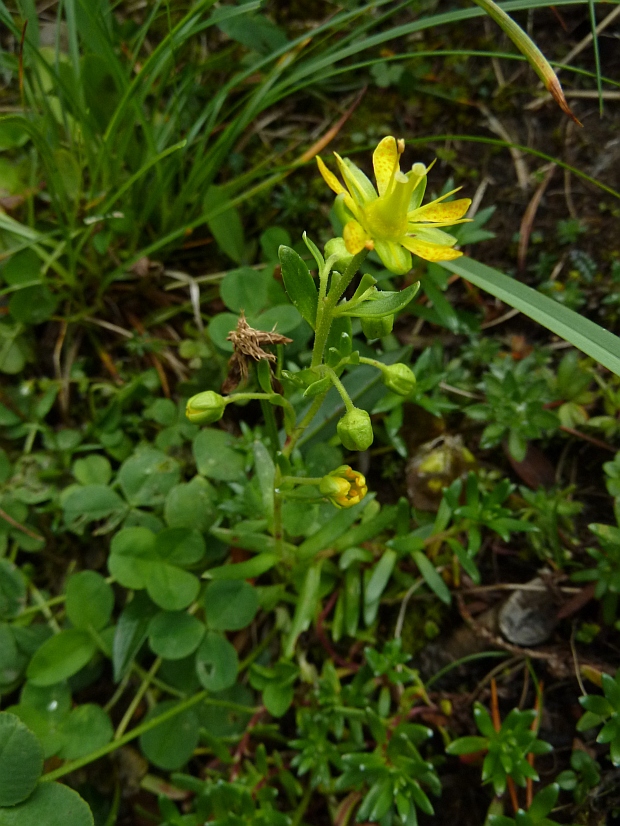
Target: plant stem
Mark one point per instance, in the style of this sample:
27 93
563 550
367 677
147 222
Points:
301 480
327 304
278 526
138 731
372 363
272 398
341 389
133 705
271 426
303 805
126 738
303 424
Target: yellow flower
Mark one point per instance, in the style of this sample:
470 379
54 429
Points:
392 220
344 487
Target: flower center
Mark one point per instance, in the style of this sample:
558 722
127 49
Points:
383 221
386 217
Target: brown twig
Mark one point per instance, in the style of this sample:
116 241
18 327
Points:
591 439
529 786
242 746
19 527
555 661
525 230
20 58
332 131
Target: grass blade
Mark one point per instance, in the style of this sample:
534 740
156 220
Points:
526 46
584 334
597 56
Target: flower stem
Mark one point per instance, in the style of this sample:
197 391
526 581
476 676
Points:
137 699
327 304
301 480
341 389
303 424
271 426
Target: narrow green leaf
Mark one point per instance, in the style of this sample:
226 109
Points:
118 193
306 606
250 541
243 570
366 530
380 577
265 471
225 223
468 745
584 334
299 284
340 522
431 577
386 303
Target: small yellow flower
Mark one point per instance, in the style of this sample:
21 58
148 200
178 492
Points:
391 220
344 487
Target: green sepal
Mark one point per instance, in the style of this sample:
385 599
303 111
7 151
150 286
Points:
314 251
366 282
318 387
333 357
299 284
384 303
293 378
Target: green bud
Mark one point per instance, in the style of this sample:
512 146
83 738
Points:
355 430
377 327
336 246
205 408
399 378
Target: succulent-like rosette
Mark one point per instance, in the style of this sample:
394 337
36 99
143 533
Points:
391 219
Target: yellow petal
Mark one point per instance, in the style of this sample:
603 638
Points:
330 179
334 184
448 212
355 237
428 251
385 162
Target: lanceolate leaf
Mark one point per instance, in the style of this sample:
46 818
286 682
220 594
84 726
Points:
386 303
299 284
584 334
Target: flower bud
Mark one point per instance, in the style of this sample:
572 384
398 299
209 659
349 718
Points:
336 246
355 430
399 378
344 487
205 408
377 327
